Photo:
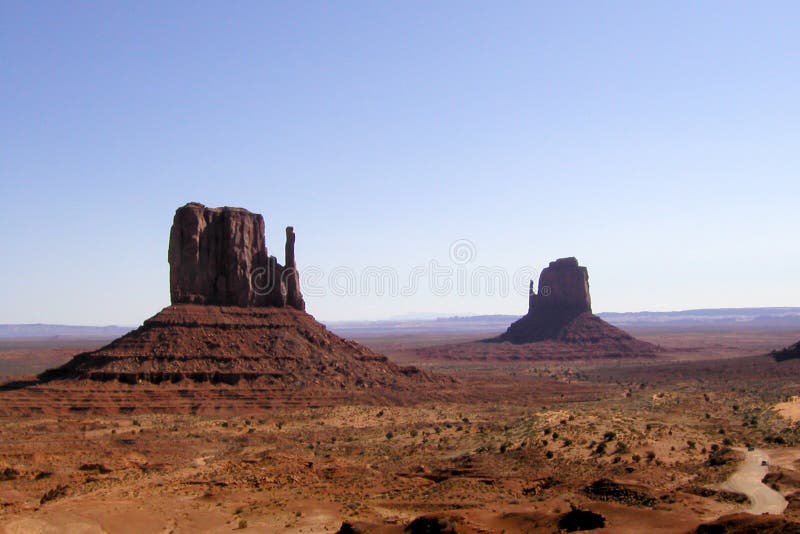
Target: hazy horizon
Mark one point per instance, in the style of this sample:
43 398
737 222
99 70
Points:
656 143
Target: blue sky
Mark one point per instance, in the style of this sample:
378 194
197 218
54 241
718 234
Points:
657 142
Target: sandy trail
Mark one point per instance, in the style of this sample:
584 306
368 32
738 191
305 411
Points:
747 480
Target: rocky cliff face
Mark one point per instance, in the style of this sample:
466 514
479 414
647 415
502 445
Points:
561 311
237 316
219 256
563 286
563 296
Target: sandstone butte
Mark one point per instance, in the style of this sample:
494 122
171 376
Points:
561 311
237 315
559 325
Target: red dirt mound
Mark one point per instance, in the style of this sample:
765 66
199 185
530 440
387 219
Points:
226 344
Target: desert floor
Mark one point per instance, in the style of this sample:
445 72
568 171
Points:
649 445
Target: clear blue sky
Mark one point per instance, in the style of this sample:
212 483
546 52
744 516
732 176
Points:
657 142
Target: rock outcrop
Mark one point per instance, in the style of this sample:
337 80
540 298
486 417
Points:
559 325
219 256
562 311
789 353
563 287
563 297
281 347
237 315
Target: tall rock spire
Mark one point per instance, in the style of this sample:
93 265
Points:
294 297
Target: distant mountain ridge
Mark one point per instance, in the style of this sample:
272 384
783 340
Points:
38 330
775 317
484 324
734 316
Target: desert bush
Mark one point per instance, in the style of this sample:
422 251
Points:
9 473
580 520
53 494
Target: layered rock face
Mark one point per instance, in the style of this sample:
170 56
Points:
562 311
237 315
563 287
278 347
219 256
563 296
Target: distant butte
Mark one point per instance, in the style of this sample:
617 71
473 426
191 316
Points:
559 325
561 311
237 315
563 297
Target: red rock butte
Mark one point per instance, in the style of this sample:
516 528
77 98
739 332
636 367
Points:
561 311
219 256
236 315
559 325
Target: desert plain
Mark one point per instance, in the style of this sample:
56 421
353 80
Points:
610 444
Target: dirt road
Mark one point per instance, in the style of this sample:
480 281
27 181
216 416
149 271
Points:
747 480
